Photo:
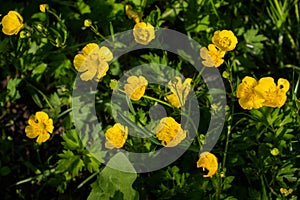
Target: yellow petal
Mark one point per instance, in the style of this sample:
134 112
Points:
43 137
88 75
79 63
283 84
209 161
102 69
30 132
89 48
41 116
12 23
49 126
105 54
172 98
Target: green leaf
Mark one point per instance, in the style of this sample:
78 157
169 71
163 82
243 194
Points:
72 140
69 163
38 71
12 85
110 180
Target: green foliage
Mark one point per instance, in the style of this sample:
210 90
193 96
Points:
257 151
111 181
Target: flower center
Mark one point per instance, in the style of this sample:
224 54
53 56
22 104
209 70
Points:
225 42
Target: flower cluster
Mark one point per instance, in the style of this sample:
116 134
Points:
255 94
92 62
143 32
40 126
208 161
223 41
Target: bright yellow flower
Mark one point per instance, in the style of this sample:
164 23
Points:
248 98
225 40
44 7
275 152
92 62
132 14
87 22
274 95
116 136
208 161
180 91
135 87
12 23
143 33
40 126
212 57
169 132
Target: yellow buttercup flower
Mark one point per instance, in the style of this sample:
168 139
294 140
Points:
274 95
92 62
44 7
143 33
116 136
40 126
169 132
180 91
225 40
255 94
208 161
248 98
132 14
212 57
12 23
135 87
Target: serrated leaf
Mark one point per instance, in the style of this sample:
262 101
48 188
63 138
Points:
110 180
69 162
72 140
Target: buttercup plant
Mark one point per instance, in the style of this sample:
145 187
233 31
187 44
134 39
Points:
149 100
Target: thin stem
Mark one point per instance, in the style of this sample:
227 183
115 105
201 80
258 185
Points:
157 100
230 117
44 96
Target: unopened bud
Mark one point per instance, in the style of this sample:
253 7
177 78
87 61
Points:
44 7
87 23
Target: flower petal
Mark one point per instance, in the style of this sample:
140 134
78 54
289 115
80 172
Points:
43 137
79 62
30 132
105 54
89 48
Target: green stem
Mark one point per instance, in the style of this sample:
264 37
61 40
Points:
65 112
219 187
230 117
43 95
214 8
87 179
157 100
97 33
